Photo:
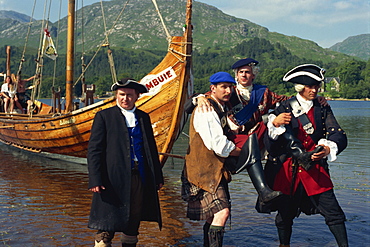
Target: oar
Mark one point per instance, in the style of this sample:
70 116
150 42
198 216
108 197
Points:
172 155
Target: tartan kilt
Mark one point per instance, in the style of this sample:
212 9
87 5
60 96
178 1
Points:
204 204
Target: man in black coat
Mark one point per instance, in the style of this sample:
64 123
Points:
124 169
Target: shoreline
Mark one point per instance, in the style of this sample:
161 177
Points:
344 99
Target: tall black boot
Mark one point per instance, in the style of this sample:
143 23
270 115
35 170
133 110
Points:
257 176
340 233
205 234
216 237
296 149
284 236
250 158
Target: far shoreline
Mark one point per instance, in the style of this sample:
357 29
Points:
344 99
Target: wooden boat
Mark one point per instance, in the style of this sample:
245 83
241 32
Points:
68 133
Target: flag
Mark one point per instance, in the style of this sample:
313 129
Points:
48 47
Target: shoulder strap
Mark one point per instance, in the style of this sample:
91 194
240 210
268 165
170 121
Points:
246 113
221 114
298 112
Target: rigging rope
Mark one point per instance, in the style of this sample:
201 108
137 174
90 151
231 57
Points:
83 65
103 44
39 61
57 42
27 37
110 54
161 18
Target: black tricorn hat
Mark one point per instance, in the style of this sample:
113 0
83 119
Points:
305 74
244 62
129 83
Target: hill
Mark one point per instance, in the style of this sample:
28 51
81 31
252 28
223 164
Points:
140 28
358 46
9 14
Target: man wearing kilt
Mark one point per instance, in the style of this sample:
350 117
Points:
205 179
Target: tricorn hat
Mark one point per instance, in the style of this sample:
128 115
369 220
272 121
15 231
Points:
221 77
129 83
244 62
305 74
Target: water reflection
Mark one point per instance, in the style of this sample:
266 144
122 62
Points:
45 201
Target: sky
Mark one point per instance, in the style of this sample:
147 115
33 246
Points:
325 22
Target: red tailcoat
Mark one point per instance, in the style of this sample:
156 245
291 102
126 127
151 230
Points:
317 179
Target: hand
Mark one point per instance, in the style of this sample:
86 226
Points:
203 104
322 101
318 156
235 152
97 189
282 118
159 186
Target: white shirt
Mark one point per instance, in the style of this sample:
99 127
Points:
245 92
208 125
5 89
129 115
275 132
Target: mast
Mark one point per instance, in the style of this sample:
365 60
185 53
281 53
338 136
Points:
70 55
189 30
8 60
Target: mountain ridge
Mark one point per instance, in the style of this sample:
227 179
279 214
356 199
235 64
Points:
212 29
358 45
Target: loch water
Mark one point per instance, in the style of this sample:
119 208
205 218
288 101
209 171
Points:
44 200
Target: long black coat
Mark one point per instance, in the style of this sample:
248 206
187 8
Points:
109 165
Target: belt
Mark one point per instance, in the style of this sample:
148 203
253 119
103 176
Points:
135 167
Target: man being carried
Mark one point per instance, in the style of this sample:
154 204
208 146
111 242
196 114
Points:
250 102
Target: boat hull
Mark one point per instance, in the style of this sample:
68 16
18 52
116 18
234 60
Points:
68 134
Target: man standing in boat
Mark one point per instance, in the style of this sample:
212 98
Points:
298 155
22 99
205 179
124 169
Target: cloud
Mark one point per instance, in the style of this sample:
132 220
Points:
309 12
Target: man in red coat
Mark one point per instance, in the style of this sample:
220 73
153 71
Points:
298 155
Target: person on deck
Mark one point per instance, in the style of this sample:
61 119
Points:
205 179
298 155
125 173
8 92
22 99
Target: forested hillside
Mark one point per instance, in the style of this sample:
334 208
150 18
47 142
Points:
275 60
139 27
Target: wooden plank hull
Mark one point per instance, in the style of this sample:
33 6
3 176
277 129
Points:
69 134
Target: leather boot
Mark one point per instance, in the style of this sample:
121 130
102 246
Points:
284 236
296 149
257 176
340 233
251 159
103 239
205 234
216 237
